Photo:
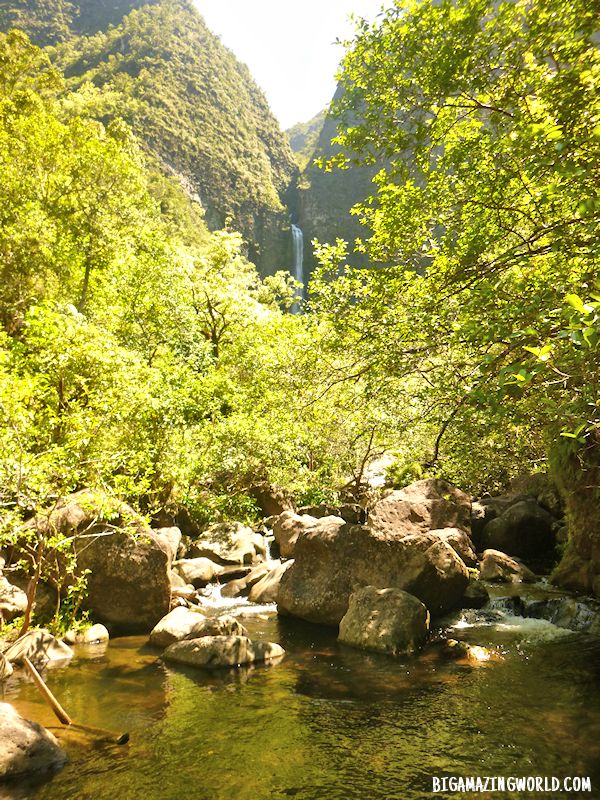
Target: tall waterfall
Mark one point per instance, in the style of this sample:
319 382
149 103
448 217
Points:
298 250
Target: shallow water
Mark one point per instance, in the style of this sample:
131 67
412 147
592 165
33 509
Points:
328 722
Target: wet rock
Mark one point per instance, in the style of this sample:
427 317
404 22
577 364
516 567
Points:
426 505
229 543
462 651
221 651
6 669
13 601
267 589
523 529
197 571
185 623
460 542
476 595
566 612
334 559
39 646
384 620
171 538
26 747
242 586
497 566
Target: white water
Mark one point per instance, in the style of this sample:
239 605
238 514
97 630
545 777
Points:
210 597
298 253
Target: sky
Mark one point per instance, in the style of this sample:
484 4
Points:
288 46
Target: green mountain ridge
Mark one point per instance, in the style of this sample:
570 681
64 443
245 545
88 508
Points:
196 108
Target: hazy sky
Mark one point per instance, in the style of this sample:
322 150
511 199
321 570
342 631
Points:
288 46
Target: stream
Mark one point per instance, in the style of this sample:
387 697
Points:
328 722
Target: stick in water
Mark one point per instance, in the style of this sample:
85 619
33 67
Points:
47 694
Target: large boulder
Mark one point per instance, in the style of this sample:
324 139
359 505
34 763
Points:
334 559
170 538
128 585
39 646
523 529
267 589
221 651
426 505
384 620
186 623
229 543
272 500
500 567
460 542
287 527
13 601
26 747
197 571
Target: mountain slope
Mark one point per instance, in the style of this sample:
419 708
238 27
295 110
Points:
195 107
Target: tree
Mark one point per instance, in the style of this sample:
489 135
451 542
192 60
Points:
484 220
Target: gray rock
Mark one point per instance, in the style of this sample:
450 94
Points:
229 543
185 623
289 526
197 571
460 542
26 747
426 505
6 669
267 589
95 634
334 559
171 538
221 651
272 500
497 566
476 595
13 601
39 646
384 620
523 529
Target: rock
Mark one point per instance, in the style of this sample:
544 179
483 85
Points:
497 566
13 601
272 500
289 526
39 646
26 747
185 623
197 571
186 592
267 589
384 620
319 511
334 559
461 651
523 529
242 586
426 505
476 595
171 538
221 651
128 585
95 634
582 615
229 543
44 606
460 542
6 669
176 580
540 486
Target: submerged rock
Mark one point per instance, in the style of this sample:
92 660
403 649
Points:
39 646
186 623
221 651
384 620
497 566
26 747
333 560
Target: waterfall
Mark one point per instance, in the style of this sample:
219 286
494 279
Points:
298 252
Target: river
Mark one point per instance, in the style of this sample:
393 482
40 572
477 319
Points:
328 722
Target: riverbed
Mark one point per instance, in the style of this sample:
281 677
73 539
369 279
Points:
328 722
